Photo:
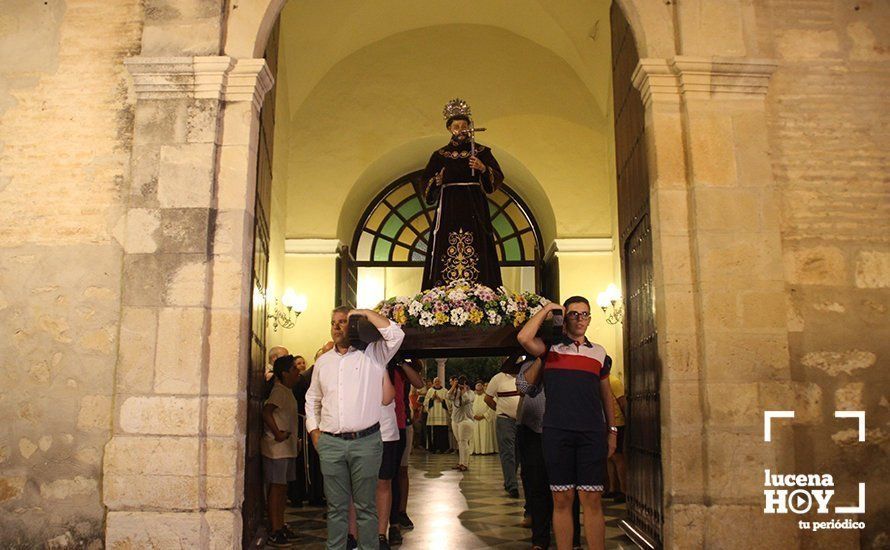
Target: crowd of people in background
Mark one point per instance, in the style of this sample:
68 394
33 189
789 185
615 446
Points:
366 410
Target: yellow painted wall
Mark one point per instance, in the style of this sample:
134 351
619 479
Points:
276 284
313 276
587 275
376 115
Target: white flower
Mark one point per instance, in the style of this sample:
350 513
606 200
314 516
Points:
534 310
493 317
459 316
427 319
415 308
456 295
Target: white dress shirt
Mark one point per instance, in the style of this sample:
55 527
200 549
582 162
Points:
347 389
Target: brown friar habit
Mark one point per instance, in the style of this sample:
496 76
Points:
462 244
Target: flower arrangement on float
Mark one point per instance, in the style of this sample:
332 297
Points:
461 304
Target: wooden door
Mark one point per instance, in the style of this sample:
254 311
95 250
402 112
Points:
253 507
642 365
347 279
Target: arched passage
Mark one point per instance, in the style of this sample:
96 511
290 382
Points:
553 129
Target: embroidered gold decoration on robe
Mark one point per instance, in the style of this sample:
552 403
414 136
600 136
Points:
460 259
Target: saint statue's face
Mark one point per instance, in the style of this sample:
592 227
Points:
458 126
479 388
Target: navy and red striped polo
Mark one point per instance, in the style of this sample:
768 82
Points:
572 374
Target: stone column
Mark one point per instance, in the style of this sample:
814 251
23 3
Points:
173 474
719 295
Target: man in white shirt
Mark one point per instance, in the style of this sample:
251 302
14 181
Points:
343 412
503 397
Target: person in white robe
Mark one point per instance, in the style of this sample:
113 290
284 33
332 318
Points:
484 440
437 419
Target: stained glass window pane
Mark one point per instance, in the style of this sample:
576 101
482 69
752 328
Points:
511 249
501 226
402 216
381 250
391 227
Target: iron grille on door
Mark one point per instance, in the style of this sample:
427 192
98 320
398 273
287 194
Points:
254 499
642 365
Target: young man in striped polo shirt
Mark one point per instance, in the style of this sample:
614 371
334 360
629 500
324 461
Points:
578 426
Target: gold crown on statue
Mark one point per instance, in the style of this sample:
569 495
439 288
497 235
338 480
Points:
456 107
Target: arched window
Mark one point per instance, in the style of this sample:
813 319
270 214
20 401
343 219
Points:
395 228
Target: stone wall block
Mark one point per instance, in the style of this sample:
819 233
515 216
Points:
719 308
804 398
816 265
734 404
202 120
185 177
185 230
850 397
679 356
144 168
873 269
145 455
95 413
160 122
731 526
670 210
740 257
224 491
713 160
228 353
675 306
682 407
673 257
136 491
231 282
224 415
240 123
185 37
727 209
160 415
179 357
664 138
144 281
237 187
152 530
684 526
225 529
223 456
735 465
764 310
764 355
683 473
142 225
233 233
752 149
187 285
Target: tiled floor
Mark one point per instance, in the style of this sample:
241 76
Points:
455 510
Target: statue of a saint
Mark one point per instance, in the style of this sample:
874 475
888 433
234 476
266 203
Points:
457 179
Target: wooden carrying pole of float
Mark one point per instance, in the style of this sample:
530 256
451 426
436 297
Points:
450 341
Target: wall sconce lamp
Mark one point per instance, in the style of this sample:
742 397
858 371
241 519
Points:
286 311
612 305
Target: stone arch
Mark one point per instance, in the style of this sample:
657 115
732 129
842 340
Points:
248 25
205 161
